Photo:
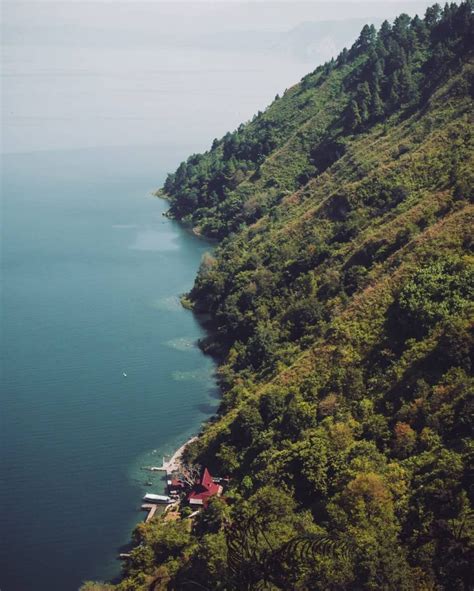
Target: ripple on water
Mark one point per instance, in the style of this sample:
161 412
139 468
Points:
153 240
155 481
182 343
168 304
197 375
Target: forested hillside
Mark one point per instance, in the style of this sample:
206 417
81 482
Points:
341 296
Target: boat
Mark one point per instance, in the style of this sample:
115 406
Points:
124 374
158 499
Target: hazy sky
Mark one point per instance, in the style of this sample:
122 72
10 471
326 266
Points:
82 74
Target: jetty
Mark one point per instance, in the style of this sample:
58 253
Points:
151 508
171 466
174 463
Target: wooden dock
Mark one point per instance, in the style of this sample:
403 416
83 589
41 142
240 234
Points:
163 468
151 508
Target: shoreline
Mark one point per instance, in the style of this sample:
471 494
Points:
174 463
193 230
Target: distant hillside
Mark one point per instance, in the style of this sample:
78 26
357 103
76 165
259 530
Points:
317 42
341 295
311 42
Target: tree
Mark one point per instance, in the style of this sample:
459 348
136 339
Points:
434 293
272 404
247 426
376 106
312 456
261 346
343 56
214 516
401 27
190 473
366 39
365 510
420 29
168 539
299 415
408 92
432 15
353 117
364 99
385 33
439 522
405 440
354 278
394 86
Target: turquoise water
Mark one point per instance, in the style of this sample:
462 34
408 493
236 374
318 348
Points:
91 271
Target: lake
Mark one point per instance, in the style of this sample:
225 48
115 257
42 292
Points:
91 272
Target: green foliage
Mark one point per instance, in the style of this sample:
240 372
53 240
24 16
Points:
385 72
436 292
214 517
341 295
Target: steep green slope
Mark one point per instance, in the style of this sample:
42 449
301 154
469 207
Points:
341 294
302 133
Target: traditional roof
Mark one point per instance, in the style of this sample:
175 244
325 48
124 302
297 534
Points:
207 482
204 489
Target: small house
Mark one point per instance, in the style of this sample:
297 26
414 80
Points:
204 489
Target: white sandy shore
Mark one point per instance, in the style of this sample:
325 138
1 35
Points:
174 463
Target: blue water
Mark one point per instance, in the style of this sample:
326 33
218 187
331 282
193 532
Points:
91 274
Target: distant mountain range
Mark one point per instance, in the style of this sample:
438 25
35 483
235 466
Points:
313 42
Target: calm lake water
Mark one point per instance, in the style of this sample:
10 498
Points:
91 277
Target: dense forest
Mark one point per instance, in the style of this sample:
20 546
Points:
341 298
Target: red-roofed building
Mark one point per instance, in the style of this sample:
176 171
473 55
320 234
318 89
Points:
204 489
175 485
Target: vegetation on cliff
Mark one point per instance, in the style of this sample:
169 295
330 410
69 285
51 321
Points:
341 293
